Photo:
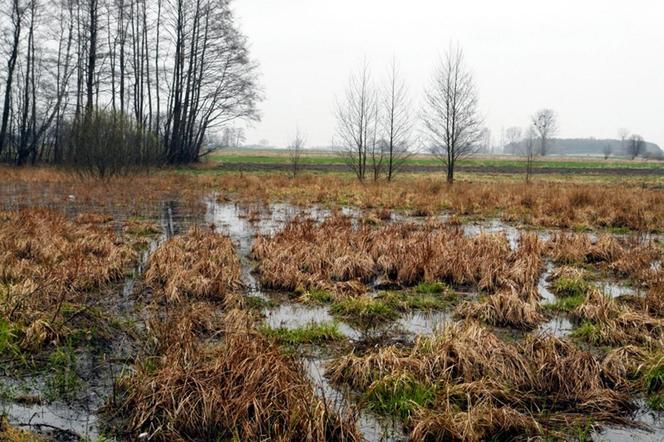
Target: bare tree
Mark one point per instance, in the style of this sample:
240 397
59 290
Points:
529 150
356 123
608 150
295 152
623 135
546 124
397 122
635 146
16 12
451 121
513 136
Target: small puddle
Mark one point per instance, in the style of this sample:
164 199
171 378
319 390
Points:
424 323
615 289
653 421
292 316
558 326
543 284
63 422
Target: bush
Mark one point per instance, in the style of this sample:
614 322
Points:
103 143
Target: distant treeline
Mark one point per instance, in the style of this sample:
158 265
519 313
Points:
590 146
143 80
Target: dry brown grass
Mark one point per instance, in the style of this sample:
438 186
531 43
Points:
504 309
607 322
47 262
198 265
241 388
487 388
338 256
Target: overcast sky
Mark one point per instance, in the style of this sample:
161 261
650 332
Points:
598 63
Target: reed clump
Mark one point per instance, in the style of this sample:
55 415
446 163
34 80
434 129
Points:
343 258
241 388
486 388
51 267
504 309
199 265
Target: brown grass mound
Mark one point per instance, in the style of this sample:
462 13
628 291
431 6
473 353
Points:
332 254
242 388
482 421
48 263
505 309
198 265
610 323
486 388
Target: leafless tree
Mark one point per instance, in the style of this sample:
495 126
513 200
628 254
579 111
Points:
546 124
623 135
356 121
529 150
17 10
608 150
513 136
295 152
397 122
635 146
451 121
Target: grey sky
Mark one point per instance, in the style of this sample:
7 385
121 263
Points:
598 63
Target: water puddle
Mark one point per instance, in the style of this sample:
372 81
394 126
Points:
292 316
654 422
62 422
424 323
543 284
615 289
558 326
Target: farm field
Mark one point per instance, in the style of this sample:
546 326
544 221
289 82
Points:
425 162
204 304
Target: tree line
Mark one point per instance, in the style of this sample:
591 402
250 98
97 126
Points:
152 76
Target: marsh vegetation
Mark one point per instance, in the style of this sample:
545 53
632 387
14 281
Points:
214 307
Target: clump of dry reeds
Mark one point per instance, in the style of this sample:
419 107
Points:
48 262
609 323
198 265
487 388
504 309
336 255
242 388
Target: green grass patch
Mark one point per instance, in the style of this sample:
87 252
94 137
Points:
257 303
399 395
588 332
63 381
318 296
656 402
570 287
566 304
364 311
407 301
653 378
431 288
309 334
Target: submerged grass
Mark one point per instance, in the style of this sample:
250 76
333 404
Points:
312 334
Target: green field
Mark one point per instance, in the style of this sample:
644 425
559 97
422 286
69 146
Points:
328 158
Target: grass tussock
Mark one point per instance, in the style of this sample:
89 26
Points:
52 270
242 388
198 265
489 389
339 257
310 334
504 309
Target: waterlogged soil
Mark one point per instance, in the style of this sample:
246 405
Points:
78 418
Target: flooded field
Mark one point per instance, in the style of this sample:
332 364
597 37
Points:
401 326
